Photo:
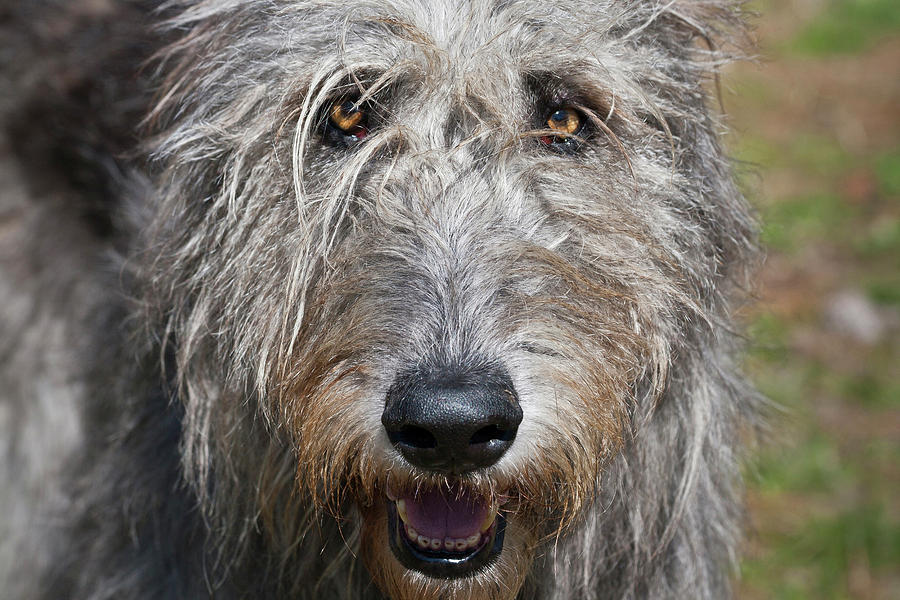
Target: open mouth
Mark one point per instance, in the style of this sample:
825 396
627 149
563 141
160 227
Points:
444 533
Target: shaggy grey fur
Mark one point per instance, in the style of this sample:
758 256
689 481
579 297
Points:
201 321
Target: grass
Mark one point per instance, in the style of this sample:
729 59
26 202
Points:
887 167
824 516
799 221
819 559
847 27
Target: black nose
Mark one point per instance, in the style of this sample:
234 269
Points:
452 423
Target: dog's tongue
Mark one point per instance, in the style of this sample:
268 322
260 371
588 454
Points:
441 515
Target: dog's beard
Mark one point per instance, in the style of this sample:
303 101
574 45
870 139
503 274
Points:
498 521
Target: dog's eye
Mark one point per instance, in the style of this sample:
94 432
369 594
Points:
347 121
569 122
565 121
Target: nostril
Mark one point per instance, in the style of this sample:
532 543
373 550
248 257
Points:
491 433
412 436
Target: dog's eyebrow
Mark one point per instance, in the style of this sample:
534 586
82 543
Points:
549 89
546 85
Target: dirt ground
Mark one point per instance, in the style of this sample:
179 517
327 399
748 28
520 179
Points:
816 124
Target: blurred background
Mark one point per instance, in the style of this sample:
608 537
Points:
817 127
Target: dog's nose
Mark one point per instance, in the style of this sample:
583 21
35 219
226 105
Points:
452 423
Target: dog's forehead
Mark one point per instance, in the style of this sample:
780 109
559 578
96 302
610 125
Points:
485 41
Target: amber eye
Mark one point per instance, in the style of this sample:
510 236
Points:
568 122
348 120
565 120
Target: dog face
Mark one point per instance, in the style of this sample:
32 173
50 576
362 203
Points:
446 253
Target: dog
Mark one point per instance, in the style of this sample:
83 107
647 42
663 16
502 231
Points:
417 299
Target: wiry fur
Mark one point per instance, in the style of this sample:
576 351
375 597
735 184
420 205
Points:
234 297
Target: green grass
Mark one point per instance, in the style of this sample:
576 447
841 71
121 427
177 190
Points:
847 27
880 238
818 154
814 466
872 388
887 169
796 222
885 290
823 493
833 491
815 561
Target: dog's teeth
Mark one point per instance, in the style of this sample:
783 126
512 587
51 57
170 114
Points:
401 509
448 544
488 521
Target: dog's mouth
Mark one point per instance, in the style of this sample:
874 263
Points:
444 533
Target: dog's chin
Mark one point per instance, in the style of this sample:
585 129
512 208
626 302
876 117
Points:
429 545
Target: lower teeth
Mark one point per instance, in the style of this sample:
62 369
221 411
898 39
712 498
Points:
448 544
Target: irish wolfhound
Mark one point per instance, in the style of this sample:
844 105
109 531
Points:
406 298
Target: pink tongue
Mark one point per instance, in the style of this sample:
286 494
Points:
440 515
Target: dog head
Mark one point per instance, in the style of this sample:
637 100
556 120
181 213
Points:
433 263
